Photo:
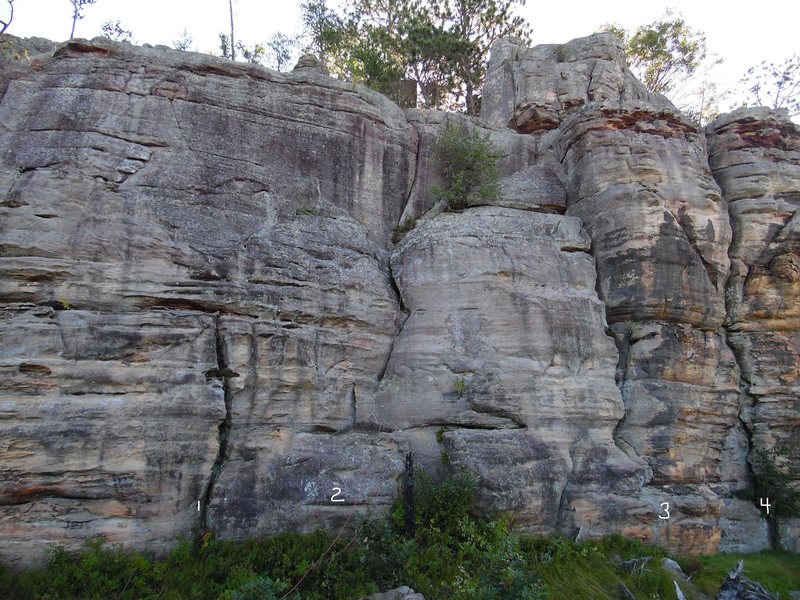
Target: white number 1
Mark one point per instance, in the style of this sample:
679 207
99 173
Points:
665 508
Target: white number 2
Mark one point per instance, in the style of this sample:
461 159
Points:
334 498
665 508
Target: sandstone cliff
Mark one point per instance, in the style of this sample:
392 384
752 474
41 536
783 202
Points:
203 323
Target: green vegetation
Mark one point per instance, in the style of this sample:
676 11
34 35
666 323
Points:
399 231
468 164
441 46
670 58
308 210
452 554
779 572
775 482
461 387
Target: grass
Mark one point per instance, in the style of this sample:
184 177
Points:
453 554
778 571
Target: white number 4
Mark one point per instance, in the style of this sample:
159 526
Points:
767 505
665 508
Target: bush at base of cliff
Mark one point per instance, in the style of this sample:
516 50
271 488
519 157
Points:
468 164
775 483
453 554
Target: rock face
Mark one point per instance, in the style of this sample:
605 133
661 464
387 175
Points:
755 156
203 324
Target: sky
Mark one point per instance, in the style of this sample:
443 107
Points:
742 37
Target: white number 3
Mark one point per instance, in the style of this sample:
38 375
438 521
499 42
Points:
665 508
334 498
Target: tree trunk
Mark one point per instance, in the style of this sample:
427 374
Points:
10 18
470 99
233 43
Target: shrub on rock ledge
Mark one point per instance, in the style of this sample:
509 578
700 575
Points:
468 163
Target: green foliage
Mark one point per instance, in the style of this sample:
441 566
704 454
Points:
671 58
778 571
461 387
775 85
468 165
399 231
324 31
664 51
773 479
442 46
183 42
478 24
280 48
252 53
308 210
440 435
454 554
258 588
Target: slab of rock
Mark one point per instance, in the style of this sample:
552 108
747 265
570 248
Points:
107 109
199 308
185 296
531 90
505 351
637 178
109 426
755 156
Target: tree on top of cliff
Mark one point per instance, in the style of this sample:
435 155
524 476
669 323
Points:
671 58
478 23
5 24
443 45
775 86
77 13
665 52
324 30
114 30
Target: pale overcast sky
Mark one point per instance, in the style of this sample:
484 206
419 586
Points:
743 35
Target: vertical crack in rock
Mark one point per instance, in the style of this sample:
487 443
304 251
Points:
353 403
224 374
403 318
563 501
691 238
591 79
732 301
408 209
623 343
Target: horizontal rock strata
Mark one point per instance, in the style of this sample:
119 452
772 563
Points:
755 156
205 326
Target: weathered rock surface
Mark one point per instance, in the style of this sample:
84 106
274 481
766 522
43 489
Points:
188 295
530 90
637 177
505 349
203 324
755 156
